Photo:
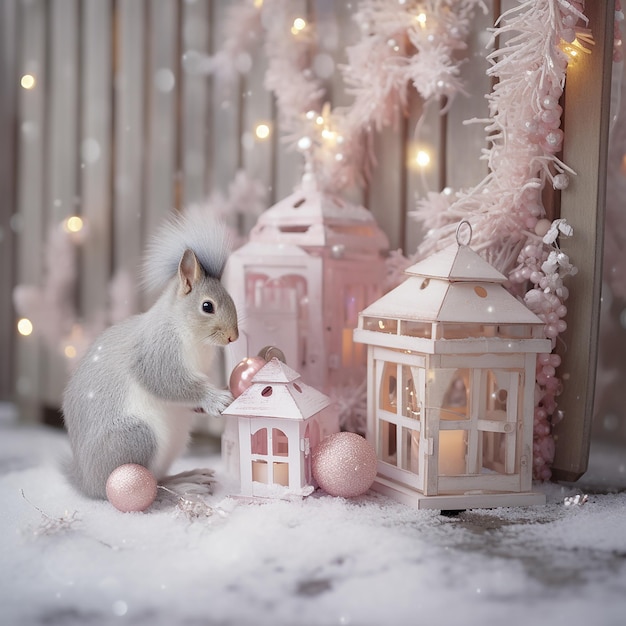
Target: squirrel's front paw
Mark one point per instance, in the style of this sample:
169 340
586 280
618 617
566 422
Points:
217 401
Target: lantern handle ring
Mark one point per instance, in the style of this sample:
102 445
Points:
469 234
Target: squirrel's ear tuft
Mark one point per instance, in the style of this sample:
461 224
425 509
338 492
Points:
189 271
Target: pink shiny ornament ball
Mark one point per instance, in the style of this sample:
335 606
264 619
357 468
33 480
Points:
131 487
243 373
344 464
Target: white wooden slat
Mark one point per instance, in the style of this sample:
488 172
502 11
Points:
225 121
128 192
257 108
162 80
30 213
289 163
8 115
424 133
586 117
468 140
60 176
195 104
95 154
385 194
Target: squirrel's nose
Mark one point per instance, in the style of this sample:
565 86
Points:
233 337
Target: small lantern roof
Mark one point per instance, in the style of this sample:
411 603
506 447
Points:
278 391
311 217
454 285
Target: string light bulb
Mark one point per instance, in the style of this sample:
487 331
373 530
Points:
421 19
422 158
73 224
262 131
70 352
28 81
299 24
24 327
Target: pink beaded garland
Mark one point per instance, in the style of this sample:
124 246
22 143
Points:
344 464
243 373
131 487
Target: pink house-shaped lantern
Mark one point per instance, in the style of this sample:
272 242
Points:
312 263
271 429
451 379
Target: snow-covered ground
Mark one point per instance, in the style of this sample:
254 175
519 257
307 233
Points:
320 560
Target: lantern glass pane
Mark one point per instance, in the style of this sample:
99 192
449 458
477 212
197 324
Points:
387 442
410 450
281 474
452 452
259 471
380 325
497 394
465 331
280 443
259 442
410 392
451 392
388 392
416 329
277 312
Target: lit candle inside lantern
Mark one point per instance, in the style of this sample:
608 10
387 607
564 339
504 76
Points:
451 452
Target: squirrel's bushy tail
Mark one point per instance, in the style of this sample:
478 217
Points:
196 228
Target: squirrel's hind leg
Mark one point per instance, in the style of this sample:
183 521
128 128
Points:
131 441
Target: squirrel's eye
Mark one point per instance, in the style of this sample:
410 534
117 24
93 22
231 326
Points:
207 307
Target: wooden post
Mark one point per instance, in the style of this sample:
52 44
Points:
586 122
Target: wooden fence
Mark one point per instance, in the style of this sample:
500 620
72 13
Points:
116 131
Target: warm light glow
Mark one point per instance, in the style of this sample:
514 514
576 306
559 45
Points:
624 165
319 120
573 50
27 81
421 18
299 25
262 131
328 134
70 352
73 224
258 4
24 327
422 158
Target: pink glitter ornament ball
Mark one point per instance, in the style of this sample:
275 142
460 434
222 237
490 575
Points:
243 373
131 487
344 464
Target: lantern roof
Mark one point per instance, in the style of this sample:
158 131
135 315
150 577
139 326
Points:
454 285
277 390
313 217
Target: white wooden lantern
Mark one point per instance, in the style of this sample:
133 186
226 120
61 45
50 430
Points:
312 263
451 379
271 429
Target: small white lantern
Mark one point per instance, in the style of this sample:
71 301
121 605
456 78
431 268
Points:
312 263
451 379
271 429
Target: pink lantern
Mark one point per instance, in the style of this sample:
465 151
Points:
271 430
312 263
451 380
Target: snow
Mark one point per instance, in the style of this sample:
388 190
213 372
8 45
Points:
312 561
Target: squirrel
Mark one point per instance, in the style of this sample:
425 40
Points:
120 404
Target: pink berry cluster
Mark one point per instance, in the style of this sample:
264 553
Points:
543 265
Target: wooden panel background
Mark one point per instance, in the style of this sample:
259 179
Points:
117 131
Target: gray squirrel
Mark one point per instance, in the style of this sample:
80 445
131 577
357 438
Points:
120 405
